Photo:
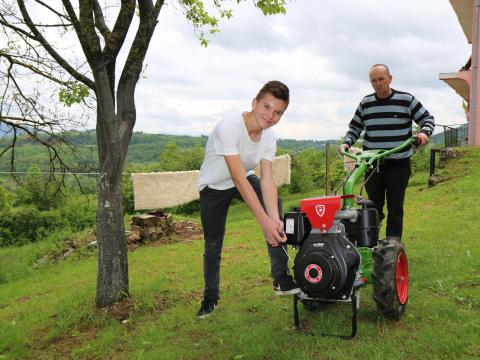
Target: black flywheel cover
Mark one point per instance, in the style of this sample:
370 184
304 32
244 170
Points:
315 272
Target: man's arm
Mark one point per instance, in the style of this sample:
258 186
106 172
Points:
422 117
269 227
355 128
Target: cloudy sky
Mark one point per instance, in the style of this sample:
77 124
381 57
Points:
321 49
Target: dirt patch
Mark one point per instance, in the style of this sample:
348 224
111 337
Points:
61 347
188 230
165 300
120 311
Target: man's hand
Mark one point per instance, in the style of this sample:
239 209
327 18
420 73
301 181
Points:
422 139
342 148
273 232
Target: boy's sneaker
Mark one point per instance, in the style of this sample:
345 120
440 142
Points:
285 286
206 308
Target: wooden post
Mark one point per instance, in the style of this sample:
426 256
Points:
327 169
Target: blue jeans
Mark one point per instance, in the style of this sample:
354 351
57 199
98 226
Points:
214 206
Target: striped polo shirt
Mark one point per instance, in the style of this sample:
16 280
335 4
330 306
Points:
388 122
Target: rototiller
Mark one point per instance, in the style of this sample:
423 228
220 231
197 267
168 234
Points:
339 251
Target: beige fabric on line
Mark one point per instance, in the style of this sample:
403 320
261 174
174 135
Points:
167 189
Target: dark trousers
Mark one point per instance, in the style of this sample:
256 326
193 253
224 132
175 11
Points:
214 206
390 181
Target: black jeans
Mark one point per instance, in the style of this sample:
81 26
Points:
390 180
214 206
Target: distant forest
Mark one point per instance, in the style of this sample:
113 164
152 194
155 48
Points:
144 149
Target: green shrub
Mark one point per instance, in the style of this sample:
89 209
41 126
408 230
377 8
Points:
308 171
6 199
174 158
39 191
420 161
128 198
26 224
79 211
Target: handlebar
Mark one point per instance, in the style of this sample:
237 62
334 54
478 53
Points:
364 160
370 156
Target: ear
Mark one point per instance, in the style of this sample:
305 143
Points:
254 103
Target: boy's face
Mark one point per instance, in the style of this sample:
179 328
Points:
268 110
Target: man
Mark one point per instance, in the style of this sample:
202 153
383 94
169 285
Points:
233 150
386 116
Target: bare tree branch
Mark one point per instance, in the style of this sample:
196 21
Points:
72 16
134 63
114 43
15 28
53 25
59 14
133 67
61 61
12 60
100 20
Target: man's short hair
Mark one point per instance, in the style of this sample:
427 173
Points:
385 66
277 89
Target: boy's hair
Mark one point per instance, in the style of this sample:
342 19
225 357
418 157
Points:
277 89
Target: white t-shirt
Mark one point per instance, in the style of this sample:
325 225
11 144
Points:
230 137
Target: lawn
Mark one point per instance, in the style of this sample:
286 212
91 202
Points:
48 312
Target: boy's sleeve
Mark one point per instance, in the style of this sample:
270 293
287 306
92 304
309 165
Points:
271 149
225 139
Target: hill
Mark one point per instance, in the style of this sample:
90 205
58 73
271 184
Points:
144 148
49 313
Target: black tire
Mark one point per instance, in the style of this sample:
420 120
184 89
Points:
314 306
390 278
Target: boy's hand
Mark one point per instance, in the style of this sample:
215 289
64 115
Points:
273 232
281 230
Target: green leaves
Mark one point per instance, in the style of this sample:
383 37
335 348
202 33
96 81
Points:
73 94
204 23
271 7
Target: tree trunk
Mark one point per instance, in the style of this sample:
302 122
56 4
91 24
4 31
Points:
112 273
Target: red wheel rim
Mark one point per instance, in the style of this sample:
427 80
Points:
401 278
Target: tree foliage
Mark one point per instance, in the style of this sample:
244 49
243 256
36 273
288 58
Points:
39 191
174 158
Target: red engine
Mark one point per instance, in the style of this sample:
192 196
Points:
321 211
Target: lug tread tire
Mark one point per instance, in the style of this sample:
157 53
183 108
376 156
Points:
384 282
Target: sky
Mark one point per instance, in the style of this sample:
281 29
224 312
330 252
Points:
322 49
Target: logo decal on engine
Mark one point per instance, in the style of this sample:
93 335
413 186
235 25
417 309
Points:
320 210
310 275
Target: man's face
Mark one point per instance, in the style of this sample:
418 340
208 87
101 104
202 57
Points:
380 80
268 110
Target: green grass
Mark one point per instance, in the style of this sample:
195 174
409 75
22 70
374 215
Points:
49 313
